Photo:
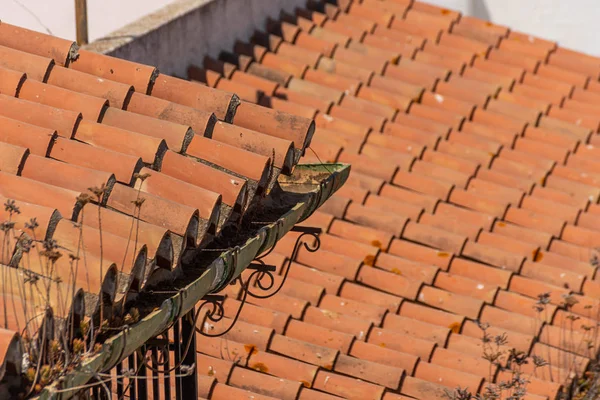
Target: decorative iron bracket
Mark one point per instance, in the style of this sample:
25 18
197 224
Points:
307 229
260 272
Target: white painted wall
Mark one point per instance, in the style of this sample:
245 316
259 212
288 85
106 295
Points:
104 16
572 23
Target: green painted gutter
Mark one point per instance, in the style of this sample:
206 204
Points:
320 181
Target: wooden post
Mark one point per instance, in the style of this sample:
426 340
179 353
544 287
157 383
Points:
81 22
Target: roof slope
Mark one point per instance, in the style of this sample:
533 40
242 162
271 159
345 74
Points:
474 189
91 143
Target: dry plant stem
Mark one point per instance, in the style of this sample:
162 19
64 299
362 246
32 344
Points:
137 207
542 306
568 364
138 202
101 272
516 388
80 387
5 245
39 361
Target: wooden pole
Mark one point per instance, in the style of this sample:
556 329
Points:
81 21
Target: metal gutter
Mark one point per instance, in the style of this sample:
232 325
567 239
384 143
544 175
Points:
220 272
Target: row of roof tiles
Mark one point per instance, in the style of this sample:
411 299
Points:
473 191
174 161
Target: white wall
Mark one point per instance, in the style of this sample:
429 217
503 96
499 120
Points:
572 23
104 16
183 32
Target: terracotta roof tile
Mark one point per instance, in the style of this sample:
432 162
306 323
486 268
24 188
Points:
565 127
258 315
404 267
347 387
382 355
320 336
304 351
451 161
284 303
370 296
469 216
578 253
519 304
485 273
282 367
460 180
340 37
451 302
431 315
353 308
583 161
510 245
524 184
369 371
13 158
415 328
47 217
301 290
423 389
263 384
552 335
355 325
522 163
218 368
476 141
517 340
223 392
421 253
423 184
372 184
29 190
349 248
494 256
532 220
465 152
532 236
469 345
434 237
447 377
502 135
475 202
306 394
451 359
446 223
401 342
552 353
465 286
389 282
357 114
572 188
361 234
408 75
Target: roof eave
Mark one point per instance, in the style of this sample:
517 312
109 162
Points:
220 272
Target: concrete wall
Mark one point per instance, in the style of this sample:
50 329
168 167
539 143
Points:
185 31
571 23
58 16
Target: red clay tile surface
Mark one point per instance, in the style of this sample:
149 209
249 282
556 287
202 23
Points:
155 149
474 190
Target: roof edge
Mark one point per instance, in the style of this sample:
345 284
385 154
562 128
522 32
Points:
220 272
